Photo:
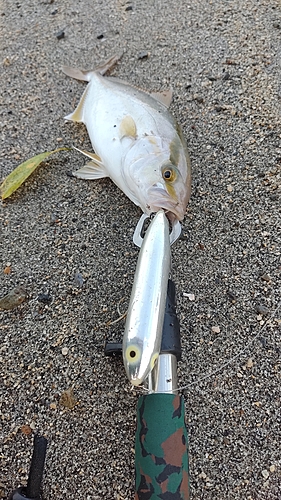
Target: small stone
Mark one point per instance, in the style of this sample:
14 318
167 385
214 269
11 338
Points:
272 468
265 473
78 278
53 406
249 363
7 270
99 37
60 35
190 296
26 429
198 98
143 54
64 351
216 329
45 298
231 296
265 277
229 188
259 317
202 475
262 309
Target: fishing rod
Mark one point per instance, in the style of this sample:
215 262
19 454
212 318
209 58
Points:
151 349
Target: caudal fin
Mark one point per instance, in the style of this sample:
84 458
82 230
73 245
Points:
85 75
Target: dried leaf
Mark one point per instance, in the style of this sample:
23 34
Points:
13 298
16 178
67 399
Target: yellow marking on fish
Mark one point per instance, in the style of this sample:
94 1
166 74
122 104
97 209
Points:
175 148
171 191
127 127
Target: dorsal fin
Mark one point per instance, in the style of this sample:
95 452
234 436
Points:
164 96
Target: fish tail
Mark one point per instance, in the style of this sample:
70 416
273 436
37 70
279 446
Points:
85 75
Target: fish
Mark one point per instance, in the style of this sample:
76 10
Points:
137 142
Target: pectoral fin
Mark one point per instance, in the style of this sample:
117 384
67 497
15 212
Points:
92 170
93 156
127 127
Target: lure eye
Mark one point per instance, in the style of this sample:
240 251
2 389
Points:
132 354
169 174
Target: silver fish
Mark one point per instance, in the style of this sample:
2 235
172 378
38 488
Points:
136 140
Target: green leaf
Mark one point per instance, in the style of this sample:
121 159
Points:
16 178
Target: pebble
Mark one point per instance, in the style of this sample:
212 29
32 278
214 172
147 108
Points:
216 329
60 35
260 309
79 279
250 363
45 298
265 277
265 473
64 351
144 54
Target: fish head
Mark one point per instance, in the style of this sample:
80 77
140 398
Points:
159 184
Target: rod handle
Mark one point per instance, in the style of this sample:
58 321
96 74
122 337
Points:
161 448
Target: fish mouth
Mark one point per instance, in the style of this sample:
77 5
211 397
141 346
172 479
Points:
160 199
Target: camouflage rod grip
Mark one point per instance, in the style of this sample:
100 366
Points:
161 456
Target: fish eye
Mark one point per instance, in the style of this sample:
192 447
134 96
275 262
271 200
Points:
169 173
